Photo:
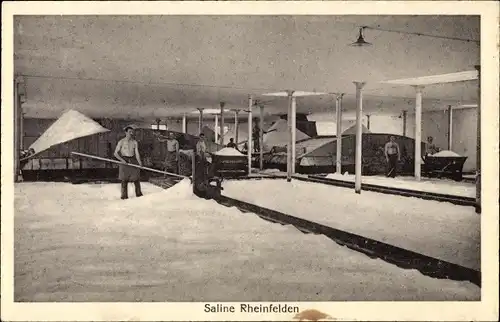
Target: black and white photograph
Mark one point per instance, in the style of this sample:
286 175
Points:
258 164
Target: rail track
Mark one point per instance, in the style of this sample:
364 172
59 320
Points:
457 200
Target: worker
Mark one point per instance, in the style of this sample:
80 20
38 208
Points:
256 137
392 156
231 144
172 157
200 163
127 151
430 147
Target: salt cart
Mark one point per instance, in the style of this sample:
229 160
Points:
444 164
229 163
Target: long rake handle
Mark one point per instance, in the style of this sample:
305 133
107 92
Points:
129 164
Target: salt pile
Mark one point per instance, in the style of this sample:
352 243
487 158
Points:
446 153
229 152
182 189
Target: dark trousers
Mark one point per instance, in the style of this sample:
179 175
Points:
256 144
137 185
392 165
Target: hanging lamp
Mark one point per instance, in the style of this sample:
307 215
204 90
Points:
361 41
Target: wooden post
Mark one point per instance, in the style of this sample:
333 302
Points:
478 144
222 104
450 127
236 126
404 122
290 138
418 132
261 138
359 135
216 129
249 140
338 108
184 123
200 121
17 151
294 132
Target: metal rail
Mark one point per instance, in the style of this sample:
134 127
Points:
400 257
457 200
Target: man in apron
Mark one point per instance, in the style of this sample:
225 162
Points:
127 151
392 156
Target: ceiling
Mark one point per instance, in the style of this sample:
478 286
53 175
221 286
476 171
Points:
161 66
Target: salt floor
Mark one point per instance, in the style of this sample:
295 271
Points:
437 229
81 243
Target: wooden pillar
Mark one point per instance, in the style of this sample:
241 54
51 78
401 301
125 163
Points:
338 110
359 136
200 120
184 123
261 137
478 144
290 137
17 146
236 126
450 127
404 122
418 132
21 128
249 140
294 132
222 104
216 128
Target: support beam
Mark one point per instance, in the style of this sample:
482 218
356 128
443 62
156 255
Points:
216 128
249 140
184 123
290 137
236 126
200 120
222 104
338 110
450 127
294 134
359 135
261 137
418 132
478 144
21 129
405 113
17 145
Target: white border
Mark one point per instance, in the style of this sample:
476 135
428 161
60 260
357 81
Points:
485 310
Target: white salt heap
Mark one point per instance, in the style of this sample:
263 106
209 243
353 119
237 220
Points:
446 153
229 152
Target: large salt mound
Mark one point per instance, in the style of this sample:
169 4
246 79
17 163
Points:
445 153
229 152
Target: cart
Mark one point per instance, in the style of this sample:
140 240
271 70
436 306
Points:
448 167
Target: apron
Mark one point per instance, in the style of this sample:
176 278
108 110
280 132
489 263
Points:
126 173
